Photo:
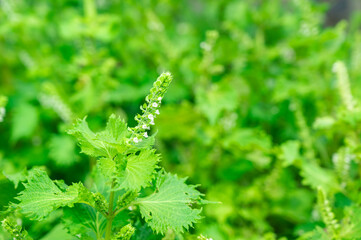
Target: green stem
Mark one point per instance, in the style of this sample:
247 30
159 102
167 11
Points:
117 211
108 230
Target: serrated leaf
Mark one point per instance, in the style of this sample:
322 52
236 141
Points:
41 196
139 170
116 129
102 144
107 167
315 176
88 141
17 176
82 221
145 143
170 206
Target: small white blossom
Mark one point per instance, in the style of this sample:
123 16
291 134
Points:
151 117
136 140
145 134
152 122
160 99
145 126
157 112
155 104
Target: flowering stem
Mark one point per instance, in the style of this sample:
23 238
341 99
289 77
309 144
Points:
151 108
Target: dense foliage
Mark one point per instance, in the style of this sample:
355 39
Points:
263 113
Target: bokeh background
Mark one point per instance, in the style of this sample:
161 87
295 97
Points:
254 114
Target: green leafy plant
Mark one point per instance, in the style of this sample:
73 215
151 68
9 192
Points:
128 177
265 111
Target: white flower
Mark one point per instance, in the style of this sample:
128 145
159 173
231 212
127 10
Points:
157 112
151 117
152 122
145 127
160 99
145 134
136 140
155 104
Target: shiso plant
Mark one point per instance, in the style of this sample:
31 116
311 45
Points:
265 113
127 178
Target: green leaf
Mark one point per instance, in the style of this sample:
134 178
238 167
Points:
82 220
324 122
352 223
16 176
62 150
58 233
315 176
247 139
88 141
145 143
139 170
170 206
41 196
289 152
116 129
25 120
107 167
221 96
318 234
103 144
7 193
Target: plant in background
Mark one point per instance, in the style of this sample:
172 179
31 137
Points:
261 120
3 101
328 216
127 176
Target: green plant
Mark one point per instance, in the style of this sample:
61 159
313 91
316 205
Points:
126 176
256 114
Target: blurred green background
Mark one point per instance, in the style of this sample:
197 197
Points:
254 114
